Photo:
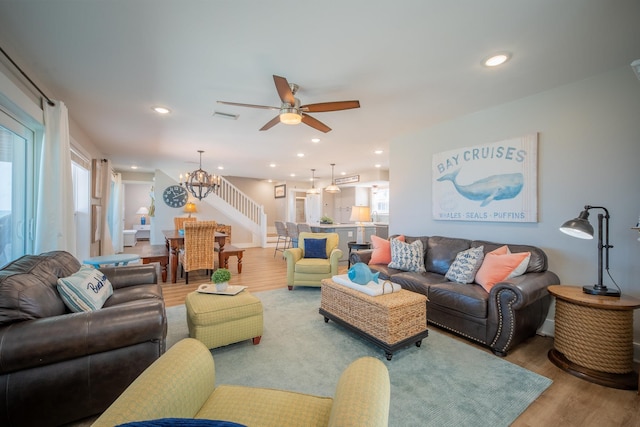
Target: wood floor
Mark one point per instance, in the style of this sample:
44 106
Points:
569 401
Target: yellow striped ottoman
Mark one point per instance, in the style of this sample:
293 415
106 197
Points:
218 320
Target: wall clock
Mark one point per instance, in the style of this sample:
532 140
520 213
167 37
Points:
175 196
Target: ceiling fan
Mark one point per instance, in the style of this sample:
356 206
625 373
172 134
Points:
292 113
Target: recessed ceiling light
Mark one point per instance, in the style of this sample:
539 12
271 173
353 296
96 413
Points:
134 167
378 151
378 165
300 154
220 167
161 110
343 173
315 139
496 59
292 175
272 165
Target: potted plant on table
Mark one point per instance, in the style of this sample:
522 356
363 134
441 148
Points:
221 278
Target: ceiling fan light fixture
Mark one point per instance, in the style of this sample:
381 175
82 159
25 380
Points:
290 116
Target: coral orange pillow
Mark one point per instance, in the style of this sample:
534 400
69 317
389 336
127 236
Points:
381 250
499 265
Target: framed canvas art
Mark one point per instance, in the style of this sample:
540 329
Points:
280 191
494 182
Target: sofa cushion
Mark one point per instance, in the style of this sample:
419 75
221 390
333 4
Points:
312 266
27 292
381 250
315 248
442 251
498 266
465 266
471 300
407 256
85 290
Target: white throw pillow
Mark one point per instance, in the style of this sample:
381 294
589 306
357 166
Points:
86 290
407 256
466 265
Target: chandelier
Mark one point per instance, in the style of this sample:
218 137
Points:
200 183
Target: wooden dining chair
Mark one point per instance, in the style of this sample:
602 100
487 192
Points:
199 244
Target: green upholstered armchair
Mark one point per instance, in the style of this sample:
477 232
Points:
182 384
303 271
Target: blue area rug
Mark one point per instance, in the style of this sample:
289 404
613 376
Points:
444 382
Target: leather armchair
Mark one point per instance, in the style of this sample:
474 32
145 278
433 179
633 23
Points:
57 367
303 271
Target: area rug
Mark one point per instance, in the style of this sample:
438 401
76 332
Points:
444 382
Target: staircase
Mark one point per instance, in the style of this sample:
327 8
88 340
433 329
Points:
235 204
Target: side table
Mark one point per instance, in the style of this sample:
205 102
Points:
354 246
594 337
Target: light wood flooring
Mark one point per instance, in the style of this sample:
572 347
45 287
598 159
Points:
569 401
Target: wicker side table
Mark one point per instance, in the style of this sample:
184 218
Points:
594 337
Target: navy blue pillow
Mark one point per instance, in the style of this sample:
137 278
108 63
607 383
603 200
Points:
181 422
315 248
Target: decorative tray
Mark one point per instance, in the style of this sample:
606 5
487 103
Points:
211 289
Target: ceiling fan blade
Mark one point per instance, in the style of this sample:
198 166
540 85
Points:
238 104
284 91
315 123
271 123
330 106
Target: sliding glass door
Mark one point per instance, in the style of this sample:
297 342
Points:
16 191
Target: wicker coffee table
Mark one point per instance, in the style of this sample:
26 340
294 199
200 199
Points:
389 321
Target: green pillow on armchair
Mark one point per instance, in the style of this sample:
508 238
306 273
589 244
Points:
305 264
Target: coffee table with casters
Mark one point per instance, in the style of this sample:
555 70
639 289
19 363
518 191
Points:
390 321
115 259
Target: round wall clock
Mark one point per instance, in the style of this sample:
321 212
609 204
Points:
175 196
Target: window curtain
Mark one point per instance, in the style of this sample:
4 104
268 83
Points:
54 229
106 244
115 213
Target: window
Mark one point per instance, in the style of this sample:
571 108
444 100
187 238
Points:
380 201
16 198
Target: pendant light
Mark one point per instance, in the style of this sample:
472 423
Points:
333 188
313 189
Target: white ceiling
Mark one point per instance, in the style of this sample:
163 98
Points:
411 63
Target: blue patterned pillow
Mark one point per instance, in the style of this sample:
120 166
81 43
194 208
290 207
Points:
315 248
181 422
466 265
407 256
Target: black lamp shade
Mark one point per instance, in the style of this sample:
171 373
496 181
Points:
579 227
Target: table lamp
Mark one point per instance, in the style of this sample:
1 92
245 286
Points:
581 228
360 214
143 211
190 208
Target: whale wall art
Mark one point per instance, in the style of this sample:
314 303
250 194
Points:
494 182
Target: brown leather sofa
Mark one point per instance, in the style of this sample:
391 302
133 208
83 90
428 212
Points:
56 366
512 312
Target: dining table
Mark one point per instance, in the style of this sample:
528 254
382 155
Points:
175 239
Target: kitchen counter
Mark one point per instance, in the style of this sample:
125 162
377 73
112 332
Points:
347 233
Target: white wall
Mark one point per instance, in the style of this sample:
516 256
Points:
588 153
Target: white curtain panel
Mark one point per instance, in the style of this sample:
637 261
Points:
116 207
55 228
106 244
